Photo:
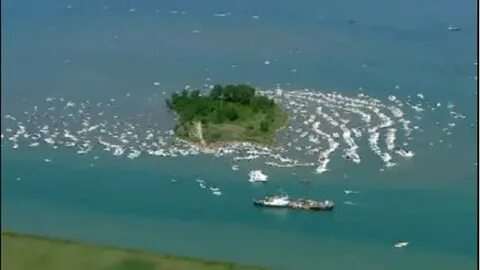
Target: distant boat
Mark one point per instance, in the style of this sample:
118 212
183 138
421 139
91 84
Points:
221 14
405 153
400 244
453 28
257 176
214 189
283 201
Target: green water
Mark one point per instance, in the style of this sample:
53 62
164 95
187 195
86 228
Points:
134 204
429 201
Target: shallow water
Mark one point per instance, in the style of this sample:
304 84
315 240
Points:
133 203
50 50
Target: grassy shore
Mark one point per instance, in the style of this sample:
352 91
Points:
245 129
20 252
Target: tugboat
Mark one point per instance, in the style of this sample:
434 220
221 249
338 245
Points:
283 201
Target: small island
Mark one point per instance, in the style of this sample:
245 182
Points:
231 113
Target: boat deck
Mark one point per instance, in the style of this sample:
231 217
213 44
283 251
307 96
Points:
299 204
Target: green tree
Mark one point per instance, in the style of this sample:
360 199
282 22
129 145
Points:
229 92
216 92
175 97
195 93
244 93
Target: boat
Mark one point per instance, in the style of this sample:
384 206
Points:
405 153
283 201
401 244
214 189
453 28
257 176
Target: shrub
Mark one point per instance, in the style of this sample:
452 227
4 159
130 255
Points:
231 113
264 125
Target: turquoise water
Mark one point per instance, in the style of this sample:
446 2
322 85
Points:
428 201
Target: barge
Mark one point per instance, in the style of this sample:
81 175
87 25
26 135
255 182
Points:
283 201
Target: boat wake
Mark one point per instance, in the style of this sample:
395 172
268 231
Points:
320 123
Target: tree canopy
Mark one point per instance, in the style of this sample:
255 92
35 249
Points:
235 105
223 102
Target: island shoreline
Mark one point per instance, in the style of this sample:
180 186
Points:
216 146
